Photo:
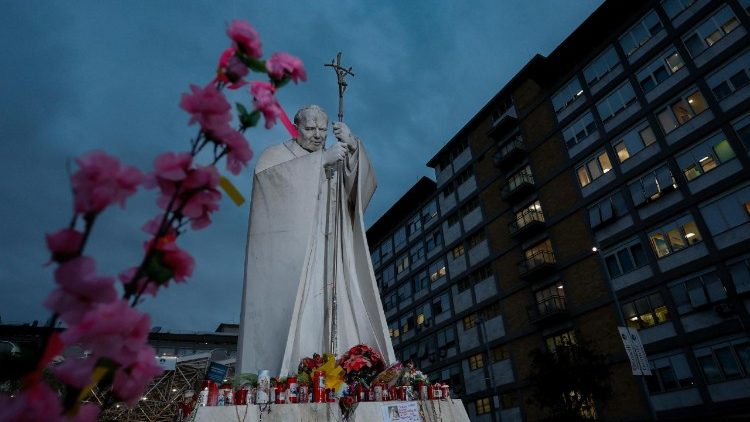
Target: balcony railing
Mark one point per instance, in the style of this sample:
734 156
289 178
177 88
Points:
509 150
549 307
517 185
526 222
537 262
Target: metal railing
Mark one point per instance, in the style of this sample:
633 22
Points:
535 261
527 217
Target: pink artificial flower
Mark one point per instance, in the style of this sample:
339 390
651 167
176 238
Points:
101 180
172 166
131 381
64 244
208 107
231 70
179 261
150 287
265 101
245 38
202 198
113 330
239 153
79 289
283 64
152 225
75 372
36 403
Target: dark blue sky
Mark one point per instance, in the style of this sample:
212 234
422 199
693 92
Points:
77 76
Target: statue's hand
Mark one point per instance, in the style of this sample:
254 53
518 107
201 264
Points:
344 134
336 152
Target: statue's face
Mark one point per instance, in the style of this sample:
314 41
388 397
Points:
312 128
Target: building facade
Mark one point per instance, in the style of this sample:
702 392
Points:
605 185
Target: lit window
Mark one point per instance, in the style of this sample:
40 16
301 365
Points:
646 312
675 236
659 70
499 353
633 141
640 33
710 31
458 251
470 321
476 362
593 168
560 340
705 157
437 270
682 110
402 263
483 406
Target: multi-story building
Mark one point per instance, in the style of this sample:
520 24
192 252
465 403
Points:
605 185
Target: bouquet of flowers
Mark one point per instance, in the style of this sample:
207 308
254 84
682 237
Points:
361 364
306 368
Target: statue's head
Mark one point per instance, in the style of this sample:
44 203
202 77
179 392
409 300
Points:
312 125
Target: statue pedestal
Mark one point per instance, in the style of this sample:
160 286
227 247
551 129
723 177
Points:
390 411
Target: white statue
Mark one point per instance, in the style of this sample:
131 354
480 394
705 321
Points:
286 297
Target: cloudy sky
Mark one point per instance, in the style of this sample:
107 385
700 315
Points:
77 76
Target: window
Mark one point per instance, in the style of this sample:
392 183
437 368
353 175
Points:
640 33
669 373
579 130
633 141
675 7
560 340
464 176
727 212
659 70
470 321
437 270
404 291
697 291
375 256
615 102
501 107
449 189
742 127
406 323
490 312
417 252
464 284
675 236
452 375
458 251
646 312
476 362
522 176
470 206
429 212
499 353
710 31
391 301
508 400
453 219
483 406
745 5
724 361
681 110
459 148
386 249
601 66
446 337
705 156
402 263
593 168
399 238
393 330
389 276
652 186
539 248
566 95
625 260
415 224
550 300
441 304
475 239
730 78
434 240
608 210
421 282
482 273
423 313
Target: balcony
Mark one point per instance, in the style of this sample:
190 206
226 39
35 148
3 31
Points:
540 263
503 123
508 153
528 223
548 309
518 186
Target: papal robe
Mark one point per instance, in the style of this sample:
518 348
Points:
284 296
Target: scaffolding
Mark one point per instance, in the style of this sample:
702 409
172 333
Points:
164 395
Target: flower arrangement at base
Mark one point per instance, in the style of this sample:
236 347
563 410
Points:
334 373
361 364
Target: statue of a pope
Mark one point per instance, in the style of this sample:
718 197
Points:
286 297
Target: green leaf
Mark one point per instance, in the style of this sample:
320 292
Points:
249 120
254 64
157 271
241 110
279 83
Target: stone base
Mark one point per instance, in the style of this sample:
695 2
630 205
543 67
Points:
428 411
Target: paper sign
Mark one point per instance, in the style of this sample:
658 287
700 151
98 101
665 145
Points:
167 363
634 348
401 412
